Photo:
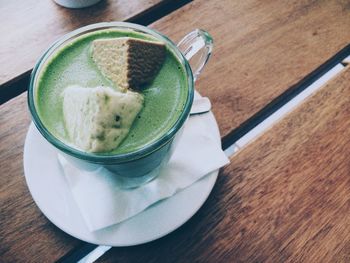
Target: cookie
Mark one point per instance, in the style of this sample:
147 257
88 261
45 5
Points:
128 62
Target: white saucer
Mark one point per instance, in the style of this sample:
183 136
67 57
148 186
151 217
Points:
50 191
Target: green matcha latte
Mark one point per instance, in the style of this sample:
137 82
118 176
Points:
164 97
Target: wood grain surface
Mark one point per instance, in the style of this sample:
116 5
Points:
26 235
29 27
283 198
261 48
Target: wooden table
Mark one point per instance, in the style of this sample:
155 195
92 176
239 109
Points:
284 197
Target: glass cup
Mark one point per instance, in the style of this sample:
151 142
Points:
132 169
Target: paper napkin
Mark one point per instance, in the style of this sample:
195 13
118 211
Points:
103 203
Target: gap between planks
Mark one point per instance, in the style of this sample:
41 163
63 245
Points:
283 111
346 61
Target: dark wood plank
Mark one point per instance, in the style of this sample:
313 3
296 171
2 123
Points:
261 48
283 198
26 235
29 27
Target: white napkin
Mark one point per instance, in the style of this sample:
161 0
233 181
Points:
102 203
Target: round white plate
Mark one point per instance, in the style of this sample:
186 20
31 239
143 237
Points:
50 191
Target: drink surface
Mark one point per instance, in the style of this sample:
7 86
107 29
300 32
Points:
165 96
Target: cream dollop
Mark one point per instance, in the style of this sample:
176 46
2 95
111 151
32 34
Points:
98 119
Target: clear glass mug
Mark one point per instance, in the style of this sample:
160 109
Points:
134 168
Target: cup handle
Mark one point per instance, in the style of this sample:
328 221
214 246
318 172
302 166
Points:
199 43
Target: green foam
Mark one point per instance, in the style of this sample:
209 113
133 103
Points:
72 65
